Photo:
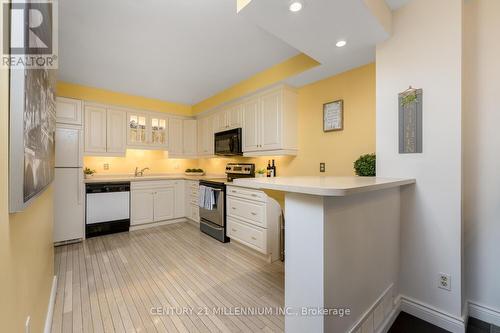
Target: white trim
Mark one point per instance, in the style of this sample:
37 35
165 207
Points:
277 152
432 315
50 309
484 313
391 318
386 293
156 224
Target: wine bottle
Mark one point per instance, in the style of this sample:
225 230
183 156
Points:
273 170
269 168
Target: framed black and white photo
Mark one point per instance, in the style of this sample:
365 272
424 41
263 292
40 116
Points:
32 115
333 116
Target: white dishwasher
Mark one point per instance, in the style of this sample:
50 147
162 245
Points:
107 208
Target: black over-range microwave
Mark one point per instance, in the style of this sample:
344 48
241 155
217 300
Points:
228 143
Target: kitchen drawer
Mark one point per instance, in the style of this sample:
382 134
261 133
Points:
194 192
254 237
246 193
193 200
250 211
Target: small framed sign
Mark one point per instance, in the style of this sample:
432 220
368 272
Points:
333 116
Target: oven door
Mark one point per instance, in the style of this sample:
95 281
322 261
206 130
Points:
215 215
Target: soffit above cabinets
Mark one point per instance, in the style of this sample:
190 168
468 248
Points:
316 28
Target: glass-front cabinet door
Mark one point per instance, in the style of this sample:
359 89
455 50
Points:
137 129
159 128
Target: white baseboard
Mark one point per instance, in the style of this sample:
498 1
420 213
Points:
156 224
484 313
432 315
50 309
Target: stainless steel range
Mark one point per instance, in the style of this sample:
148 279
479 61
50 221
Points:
212 199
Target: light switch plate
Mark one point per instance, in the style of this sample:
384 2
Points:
322 167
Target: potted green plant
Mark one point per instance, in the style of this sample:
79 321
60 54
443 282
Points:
260 173
194 172
365 165
88 173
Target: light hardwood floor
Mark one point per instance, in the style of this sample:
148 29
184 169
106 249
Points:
111 283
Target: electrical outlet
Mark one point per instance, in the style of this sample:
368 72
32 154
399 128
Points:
322 167
444 281
106 166
27 325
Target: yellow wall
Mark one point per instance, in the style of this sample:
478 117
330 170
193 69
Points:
77 91
26 251
337 149
156 160
277 73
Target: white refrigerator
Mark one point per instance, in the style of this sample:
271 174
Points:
69 199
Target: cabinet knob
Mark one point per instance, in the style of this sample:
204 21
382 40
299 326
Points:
254 238
254 195
233 208
253 213
232 229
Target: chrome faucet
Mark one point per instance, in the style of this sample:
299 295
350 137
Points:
138 173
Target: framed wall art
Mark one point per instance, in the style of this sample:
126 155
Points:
333 116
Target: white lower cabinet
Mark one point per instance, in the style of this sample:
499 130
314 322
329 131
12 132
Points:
191 200
155 201
253 219
142 206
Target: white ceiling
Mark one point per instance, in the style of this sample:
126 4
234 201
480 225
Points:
317 27
187 50
175 50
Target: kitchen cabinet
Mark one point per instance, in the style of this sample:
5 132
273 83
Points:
164 203
253 219
105 131
229 117
175 137
156 201
189 134
206 135
69 111
270 123
251 130
137 128
158 131
141 206
95 129
192 210
116 134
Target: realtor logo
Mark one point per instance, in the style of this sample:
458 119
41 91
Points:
30 34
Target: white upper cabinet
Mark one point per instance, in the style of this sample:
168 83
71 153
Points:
189 134
116 133
270 123
69 111
105 131
229 117
95 129
175 137
206 135
159 131
252 117
137 128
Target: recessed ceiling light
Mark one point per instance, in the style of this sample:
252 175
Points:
295 6
341 43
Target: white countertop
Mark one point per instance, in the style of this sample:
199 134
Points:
114 178
323 185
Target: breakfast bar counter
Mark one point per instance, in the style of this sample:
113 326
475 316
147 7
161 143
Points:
342 238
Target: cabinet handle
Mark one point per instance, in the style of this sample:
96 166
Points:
232 229
253 213
233 208
254 195
254 238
